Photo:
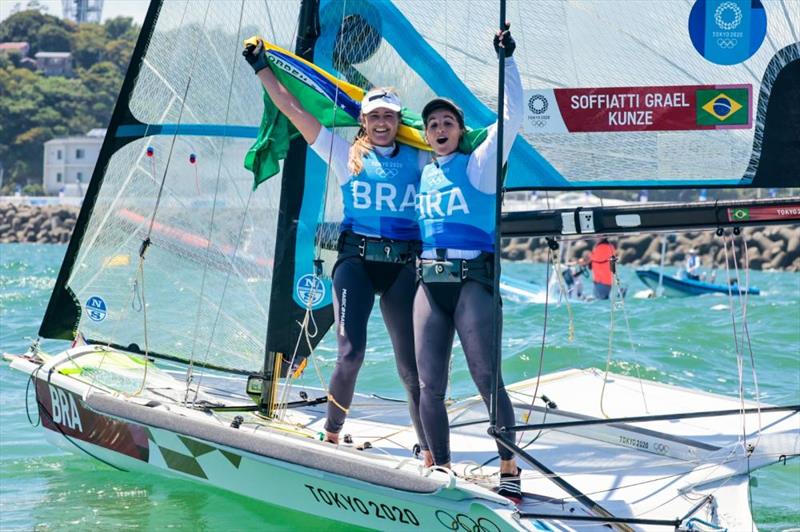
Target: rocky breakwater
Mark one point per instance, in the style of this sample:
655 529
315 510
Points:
50 224
768 248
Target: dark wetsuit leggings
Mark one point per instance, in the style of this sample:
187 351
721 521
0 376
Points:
440 310
355 284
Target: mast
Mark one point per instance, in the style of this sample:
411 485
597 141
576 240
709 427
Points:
498 314
282 329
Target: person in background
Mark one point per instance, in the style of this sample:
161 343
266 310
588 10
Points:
573 277
456 206
602 259
692 267
377 246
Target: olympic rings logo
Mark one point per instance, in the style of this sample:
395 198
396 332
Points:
661 448
538 123
465 522
727 44
386 172
723 13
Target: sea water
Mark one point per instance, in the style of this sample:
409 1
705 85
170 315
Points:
682 341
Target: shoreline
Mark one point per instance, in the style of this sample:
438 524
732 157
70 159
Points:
768 248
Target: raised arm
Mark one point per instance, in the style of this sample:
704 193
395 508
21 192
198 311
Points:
482 168
305 122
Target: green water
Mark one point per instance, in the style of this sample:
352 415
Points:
687 342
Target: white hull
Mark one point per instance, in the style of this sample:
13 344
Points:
656 471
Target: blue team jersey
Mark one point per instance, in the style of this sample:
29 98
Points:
452 213
381 199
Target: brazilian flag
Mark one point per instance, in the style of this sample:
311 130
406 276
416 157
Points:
722 107
739 215
334 102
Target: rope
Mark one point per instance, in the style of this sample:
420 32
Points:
614 289
563 292
544 342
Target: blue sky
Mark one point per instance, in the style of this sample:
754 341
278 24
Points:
111 8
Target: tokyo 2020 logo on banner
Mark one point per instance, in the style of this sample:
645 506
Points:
727 32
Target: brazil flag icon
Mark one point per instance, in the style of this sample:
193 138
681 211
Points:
723 107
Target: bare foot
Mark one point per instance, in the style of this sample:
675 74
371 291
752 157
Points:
332 437
508 466
427 459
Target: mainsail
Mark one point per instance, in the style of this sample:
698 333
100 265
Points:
175 254
173 251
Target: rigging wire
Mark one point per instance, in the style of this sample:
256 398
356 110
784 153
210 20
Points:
541 349
615 287
749 448
618 301
209 240
147 241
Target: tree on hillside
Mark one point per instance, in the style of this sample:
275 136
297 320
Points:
52 38
35 108
89 45
120 27
102 82
25 26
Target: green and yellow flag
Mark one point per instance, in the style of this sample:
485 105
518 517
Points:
335 103
722 107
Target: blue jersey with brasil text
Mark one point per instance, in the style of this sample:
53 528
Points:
380 200
452 212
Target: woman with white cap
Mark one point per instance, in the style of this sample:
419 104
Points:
379 237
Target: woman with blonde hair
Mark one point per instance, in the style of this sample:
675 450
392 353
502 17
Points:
379 236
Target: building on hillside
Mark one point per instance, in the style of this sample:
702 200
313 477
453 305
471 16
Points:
22 48
54 63
69 163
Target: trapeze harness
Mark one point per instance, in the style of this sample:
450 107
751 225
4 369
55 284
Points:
377 201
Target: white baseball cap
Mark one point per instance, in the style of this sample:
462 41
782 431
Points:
380 98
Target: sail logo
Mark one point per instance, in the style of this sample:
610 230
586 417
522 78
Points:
728 16
538 104
542 114
727 32
96 308
63 409
718 107
310 290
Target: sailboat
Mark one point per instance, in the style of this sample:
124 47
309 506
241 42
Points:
195 301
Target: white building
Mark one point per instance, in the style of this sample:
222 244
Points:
69 163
